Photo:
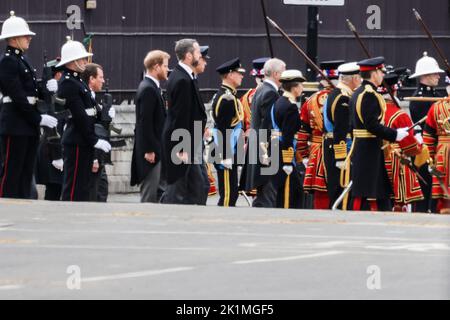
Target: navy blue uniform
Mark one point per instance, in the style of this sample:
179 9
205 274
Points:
79 136
19 124
228 115
418 110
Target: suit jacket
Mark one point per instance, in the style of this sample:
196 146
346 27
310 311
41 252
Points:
150 117
185 107
263 100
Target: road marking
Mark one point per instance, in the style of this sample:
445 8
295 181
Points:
19 245
237 234
10 287
305 256
418 247
139 274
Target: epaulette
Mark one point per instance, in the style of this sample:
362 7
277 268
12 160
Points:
368 88
228 96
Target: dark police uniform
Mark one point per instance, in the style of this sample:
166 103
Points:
228 115
19 124
50 147
418 110
79 136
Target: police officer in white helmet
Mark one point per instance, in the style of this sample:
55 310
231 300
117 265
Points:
19 117
79 139
428 75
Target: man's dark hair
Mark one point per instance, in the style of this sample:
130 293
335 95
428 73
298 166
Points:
287 86
366 75
90 71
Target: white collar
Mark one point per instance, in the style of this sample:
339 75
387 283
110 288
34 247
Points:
272 84
153 79
290 97
93 94
187 68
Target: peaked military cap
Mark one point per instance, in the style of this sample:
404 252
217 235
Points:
372 64
230 66
329 68
348 68
258 67
204 51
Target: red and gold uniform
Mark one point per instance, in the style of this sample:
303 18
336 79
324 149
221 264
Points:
309 145
405 184
437 138
246 102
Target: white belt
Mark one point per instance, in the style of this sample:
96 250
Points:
91 112
31 100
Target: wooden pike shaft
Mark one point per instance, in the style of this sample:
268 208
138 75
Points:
305 56
425 99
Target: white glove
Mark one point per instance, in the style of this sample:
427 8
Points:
52 85
419 138
305 162
103 145
402 133
288 169
340 164
227 163
58 164
48 121
112 113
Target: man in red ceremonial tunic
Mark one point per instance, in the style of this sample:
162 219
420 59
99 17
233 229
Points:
404 181
310 138
437 138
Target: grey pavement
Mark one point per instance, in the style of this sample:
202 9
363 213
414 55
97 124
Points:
127 250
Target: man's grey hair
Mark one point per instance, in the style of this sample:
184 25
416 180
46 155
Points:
347 78
183 47
272 66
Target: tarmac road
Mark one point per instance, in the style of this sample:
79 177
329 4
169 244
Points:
145 251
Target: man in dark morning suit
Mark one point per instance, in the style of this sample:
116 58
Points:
150 117
187 177
266 95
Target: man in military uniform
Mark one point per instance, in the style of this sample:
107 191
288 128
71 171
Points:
49 164
286 124
371 188
310 137
19 116
437 138
427 72
246 100
228 114
199 69
79 139
337 139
